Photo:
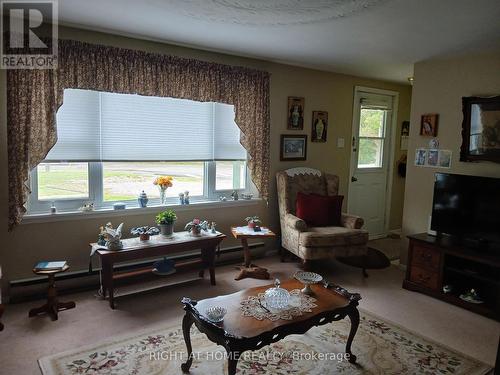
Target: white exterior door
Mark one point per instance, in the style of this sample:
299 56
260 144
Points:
370 159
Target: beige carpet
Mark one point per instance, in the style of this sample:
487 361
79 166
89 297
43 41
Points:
381 347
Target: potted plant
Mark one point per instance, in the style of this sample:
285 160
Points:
253 221
145 232
195 226
166 220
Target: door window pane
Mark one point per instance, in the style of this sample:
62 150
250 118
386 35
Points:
63 181
371 123
125 180
230 175
370 153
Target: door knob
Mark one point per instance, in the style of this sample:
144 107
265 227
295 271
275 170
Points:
354 179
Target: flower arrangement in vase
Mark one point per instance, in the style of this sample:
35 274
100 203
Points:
163 183
196 226
253 222
145 232
166 220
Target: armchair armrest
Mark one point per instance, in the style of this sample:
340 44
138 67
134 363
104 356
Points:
352 221
294 222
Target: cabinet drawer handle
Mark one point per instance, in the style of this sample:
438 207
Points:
426 256
424 278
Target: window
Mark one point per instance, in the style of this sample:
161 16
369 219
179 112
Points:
371 137
122 180
63 181
230 175
112 146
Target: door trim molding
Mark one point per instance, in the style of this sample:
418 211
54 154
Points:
392 146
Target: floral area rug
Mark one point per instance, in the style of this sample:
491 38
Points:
381 348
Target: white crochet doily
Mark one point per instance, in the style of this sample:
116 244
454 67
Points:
255 306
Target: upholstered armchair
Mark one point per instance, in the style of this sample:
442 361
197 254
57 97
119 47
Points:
310 243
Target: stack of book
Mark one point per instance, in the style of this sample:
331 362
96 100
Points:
50 266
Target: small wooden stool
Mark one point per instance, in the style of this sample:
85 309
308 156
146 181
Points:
53 306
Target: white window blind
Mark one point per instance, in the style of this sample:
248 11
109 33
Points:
122 127
375 101
226 141
78 127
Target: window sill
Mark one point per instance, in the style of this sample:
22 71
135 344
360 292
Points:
109 212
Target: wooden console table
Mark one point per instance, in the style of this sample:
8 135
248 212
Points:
134 249
238 334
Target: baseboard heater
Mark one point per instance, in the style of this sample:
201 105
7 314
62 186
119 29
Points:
80 274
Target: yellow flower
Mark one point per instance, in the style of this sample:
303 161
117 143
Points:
163 181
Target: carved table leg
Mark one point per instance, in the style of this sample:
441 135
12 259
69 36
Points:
232 362
354 317
187 322
53 306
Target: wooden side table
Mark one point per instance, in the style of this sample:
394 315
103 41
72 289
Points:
248 269
53 306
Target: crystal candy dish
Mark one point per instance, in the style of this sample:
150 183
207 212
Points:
308 278
277 297
215 313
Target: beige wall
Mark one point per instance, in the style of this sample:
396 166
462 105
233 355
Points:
322 91
438 88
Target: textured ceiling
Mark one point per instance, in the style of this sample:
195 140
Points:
270 13
372 38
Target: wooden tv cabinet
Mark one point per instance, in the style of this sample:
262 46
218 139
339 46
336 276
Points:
434 262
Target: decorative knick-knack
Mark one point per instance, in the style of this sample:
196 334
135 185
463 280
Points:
53 209
212 229
235 195
186 197
143 199
181 198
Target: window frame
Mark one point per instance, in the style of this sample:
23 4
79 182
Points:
96 192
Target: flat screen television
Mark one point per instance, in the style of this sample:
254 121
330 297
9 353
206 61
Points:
467 208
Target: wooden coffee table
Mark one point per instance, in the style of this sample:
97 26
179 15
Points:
238 334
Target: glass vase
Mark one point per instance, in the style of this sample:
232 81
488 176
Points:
163 196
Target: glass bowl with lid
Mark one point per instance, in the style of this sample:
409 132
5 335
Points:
277 297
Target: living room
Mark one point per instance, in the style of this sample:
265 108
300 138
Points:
314 143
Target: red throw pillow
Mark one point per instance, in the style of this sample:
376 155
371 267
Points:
319 210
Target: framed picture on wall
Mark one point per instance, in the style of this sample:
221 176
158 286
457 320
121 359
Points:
429 125
420 156
293 147
295 117
480 129
319 126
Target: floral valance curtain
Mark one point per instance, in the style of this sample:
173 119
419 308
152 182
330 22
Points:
33 97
